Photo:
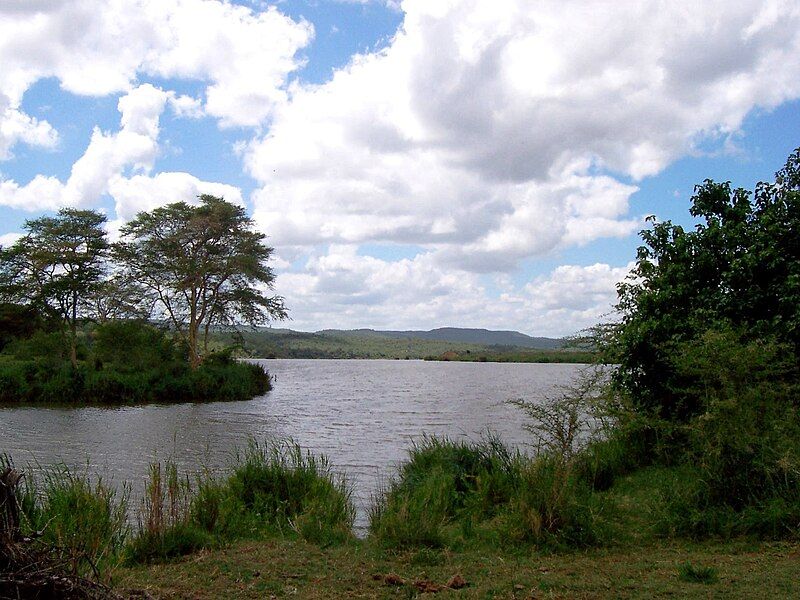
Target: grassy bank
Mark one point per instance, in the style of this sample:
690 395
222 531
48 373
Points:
296 569
474 519
634 558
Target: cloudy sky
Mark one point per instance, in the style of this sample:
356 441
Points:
415 163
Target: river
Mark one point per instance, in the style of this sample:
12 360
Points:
363 414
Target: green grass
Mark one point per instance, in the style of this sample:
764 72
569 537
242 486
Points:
84 518
279 523
697 574
274 489
293 568
455 494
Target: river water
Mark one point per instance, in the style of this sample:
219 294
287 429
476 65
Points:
363 414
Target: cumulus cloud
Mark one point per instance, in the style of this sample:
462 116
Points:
144 193
575 297
9 239
118 164
16 127
490 132
350 290
97 48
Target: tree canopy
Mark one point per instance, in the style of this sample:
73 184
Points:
200 267
57 266
737 270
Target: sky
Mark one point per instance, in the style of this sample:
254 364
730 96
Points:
414 163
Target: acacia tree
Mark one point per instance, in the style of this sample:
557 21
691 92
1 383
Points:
200 267
57 266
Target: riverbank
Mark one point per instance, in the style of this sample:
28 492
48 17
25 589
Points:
287 568
459 518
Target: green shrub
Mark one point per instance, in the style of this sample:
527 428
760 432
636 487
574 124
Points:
14 386
278 483
132 346
165 530
38 380
741 453
687 506
552 508
443 482
606 459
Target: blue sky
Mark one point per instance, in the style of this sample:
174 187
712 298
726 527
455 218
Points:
415 164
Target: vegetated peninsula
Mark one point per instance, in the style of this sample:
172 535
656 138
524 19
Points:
447 343
77 312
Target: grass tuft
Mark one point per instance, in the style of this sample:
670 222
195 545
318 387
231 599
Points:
697 574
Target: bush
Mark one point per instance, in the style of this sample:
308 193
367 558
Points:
449 492
443 482
132 346
278 483
604 460
741 454
14 385
552 508
166 530
746 441
31 381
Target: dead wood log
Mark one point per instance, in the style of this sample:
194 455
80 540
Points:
9 507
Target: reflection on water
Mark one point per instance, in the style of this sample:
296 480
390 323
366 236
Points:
362 413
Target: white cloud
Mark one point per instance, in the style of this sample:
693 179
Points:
118 164
186 106
344 289
575 297
8 239
144 193
16 127
491 132
101 47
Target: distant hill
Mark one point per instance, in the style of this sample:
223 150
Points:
485 337
446 343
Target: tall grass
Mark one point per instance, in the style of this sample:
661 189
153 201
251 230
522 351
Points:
454 492
274 488
165 530
85 520
443 482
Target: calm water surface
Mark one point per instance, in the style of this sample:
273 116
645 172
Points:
363 414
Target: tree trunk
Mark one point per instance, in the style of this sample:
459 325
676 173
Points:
73 330
194 354
9 509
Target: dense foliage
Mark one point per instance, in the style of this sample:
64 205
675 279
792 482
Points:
74 308
708 350
737 270
199 267
58 266
121 362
